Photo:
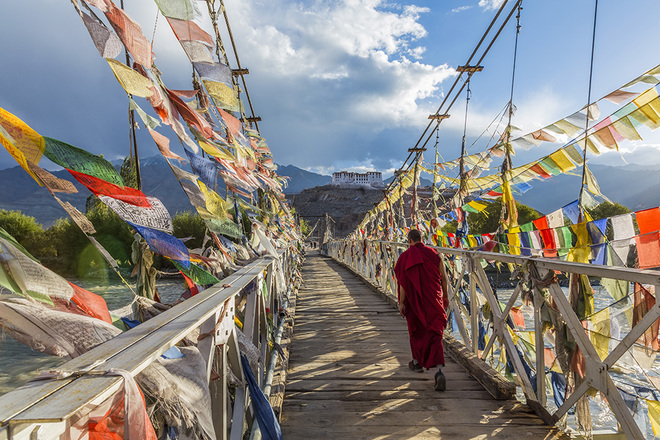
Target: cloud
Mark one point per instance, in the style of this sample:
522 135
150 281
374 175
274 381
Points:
461 9
488 5
329 69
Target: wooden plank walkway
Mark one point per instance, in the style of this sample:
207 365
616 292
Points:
349 379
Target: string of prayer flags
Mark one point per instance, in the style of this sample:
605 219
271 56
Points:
164 244
101 187
163 144
79 160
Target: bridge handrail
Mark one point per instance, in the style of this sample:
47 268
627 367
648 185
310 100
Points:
375 260
50 406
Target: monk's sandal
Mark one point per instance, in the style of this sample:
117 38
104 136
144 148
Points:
440 381
415 367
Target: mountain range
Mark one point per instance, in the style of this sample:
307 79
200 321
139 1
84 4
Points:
634 186
21 193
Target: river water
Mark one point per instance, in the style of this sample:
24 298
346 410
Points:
19 363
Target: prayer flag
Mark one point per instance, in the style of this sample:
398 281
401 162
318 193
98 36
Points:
52 182
163 144
101 187
188 30
21 137
164 244
90 303
130 80
79 160
154 217
197 274
654 415
180 9
624 231
648 244
130 34
572 211
555 219
106 42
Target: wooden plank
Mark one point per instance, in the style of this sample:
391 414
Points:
349 377
491 380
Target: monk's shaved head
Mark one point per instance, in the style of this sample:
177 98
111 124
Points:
414 236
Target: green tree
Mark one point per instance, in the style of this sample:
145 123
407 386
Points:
112 232
304 226
25 230
189 224
607 209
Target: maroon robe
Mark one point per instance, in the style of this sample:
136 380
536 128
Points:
418 273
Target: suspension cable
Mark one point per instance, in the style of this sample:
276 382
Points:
586 130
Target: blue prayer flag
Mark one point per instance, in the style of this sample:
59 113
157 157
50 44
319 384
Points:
164 244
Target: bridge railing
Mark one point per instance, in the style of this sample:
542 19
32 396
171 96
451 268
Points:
490 326
55 409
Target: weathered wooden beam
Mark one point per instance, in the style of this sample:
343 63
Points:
469 69
437 117
496 385
239 72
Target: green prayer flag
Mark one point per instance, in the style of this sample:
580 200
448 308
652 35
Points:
197 274
79 160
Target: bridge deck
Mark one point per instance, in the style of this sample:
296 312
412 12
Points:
349 378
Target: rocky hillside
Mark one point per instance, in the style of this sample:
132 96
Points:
346 206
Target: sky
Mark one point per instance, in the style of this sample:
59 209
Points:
341 84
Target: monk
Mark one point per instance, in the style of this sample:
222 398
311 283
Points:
423 300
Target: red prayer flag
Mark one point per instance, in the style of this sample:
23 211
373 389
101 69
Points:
540 171
101 187
648 240
91 303
643 302
549 244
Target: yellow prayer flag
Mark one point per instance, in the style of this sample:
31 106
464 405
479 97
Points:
600 336
626 129
130 80
646 97
562 160
23 138
654 415
214 203
478 206
580 253
592 184
18 156
223 95
473 241
566 127
514 243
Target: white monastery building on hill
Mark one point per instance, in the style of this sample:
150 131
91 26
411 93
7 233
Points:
372 179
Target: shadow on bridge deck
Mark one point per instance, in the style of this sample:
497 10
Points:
349 378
